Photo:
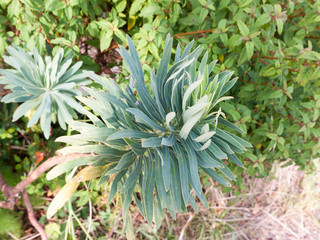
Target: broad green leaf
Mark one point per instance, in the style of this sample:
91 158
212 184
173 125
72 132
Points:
244 30
250 49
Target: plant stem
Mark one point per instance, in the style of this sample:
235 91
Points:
31 216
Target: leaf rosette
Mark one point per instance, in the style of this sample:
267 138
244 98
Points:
155 145
45 87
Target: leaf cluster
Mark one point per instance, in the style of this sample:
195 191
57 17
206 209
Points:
155 145
45 87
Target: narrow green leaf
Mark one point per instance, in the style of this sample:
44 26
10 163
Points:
181 158
166 167
148 186
217 177
168 141
151 142
130 134
114 186
193 165
145 119
229 124
133 177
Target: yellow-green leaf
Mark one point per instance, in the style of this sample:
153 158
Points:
62 197
131 22
90 173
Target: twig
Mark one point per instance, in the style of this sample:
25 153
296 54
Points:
18 148
282 224
195 32
31 216
30 237
13 236
185 226
168 9
25 137
115 223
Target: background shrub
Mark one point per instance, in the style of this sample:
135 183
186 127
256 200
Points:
273 47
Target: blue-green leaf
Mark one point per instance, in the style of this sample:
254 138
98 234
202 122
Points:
130 134
145 119
183 172
151 142
168 141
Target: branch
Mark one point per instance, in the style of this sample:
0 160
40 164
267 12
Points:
44 167
4 186
11 193
6 189
31 216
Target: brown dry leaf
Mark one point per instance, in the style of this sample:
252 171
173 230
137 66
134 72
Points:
49 193
40 156
256 209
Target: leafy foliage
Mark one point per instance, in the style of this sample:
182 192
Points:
274 50
44 87
10 222
155 143
272 47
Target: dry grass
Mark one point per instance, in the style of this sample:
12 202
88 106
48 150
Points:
287 207
284 208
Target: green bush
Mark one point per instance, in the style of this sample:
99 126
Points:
272 46
10 222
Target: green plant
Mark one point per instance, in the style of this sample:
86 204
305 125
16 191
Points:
51 24
157 142
10 222
46 88
273 47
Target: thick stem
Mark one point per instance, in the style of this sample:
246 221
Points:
11 193
31 216
6 189
44 167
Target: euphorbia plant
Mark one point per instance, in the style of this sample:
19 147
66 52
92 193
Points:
155 144
45 87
